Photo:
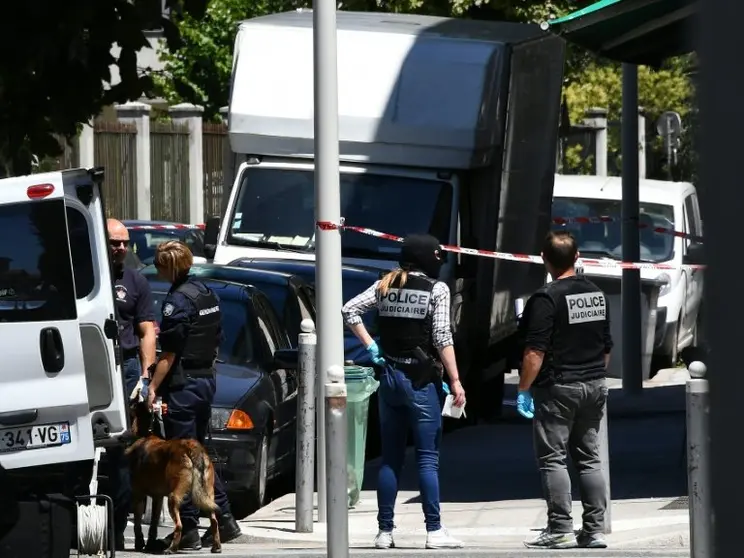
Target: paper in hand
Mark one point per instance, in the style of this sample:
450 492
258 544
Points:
451 410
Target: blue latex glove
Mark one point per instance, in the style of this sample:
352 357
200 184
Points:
375 355
446 388
525 404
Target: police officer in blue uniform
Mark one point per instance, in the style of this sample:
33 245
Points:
137 340
415 344
567 344
190 333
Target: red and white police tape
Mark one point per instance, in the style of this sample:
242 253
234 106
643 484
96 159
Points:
584 262
171 227
607 219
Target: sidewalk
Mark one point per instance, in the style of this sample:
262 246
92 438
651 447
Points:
492 498
635 523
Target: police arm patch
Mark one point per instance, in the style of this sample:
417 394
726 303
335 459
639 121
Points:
168 309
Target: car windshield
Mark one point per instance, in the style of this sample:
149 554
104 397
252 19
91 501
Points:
237 341
603 240
276 208
144 242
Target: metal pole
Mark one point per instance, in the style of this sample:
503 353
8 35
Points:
328 208
305 454
604 457
337 538
698 471
631 283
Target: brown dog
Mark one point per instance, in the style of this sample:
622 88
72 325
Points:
168 468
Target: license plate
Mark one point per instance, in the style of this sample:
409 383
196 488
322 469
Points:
34 437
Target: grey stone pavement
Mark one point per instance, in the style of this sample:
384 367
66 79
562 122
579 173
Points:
491 495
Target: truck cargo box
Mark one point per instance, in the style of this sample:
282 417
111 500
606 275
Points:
414 90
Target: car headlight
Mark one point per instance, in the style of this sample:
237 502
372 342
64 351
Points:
230 419
666 281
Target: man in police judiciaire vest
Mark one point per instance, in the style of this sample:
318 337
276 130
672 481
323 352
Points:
567 344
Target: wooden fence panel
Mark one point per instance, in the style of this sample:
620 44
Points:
169 171
115 149
213 147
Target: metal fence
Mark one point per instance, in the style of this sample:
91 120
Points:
115 149
213 146
169 171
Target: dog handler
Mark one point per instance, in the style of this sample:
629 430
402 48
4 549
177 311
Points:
135 314
414 324
190 334
567 350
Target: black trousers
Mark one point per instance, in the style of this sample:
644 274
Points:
189 412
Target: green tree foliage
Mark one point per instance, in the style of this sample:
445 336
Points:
600 85
199 71
56 66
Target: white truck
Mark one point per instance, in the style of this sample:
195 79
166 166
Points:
446 126
61 389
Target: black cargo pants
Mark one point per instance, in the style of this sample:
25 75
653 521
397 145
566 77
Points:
567 418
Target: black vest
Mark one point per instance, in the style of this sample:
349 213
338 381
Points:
205 330
580 332
404 319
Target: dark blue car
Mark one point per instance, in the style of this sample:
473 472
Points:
292 298
143 241
355 279
253 425
290 287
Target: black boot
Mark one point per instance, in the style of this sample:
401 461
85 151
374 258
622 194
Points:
229 531
189 541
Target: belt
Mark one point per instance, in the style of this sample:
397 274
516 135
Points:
130 353
198 374
196 364
402 360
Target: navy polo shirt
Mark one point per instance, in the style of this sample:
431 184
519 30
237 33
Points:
133 303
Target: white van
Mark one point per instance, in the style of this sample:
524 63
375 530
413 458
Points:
669 205
61 388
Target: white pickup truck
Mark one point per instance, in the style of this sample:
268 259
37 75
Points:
666 205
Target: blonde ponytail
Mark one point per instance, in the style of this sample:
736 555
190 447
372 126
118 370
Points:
386 283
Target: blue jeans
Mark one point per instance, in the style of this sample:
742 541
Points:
401 407
189 412
118 467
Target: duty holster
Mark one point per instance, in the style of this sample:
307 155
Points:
426 370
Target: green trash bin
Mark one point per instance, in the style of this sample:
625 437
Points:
360 385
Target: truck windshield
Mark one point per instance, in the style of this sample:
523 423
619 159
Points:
276 209
597 240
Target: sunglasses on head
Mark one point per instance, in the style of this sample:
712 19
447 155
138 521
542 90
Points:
115 243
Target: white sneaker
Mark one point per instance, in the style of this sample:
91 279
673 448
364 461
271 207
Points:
441 539
384 540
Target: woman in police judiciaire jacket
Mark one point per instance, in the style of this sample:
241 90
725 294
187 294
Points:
415 341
